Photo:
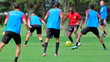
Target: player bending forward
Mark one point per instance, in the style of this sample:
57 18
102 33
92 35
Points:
34 23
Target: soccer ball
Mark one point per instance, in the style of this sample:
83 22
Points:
3 33
68 43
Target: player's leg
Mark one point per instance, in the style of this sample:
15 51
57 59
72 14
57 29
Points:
39 31
27 38
1 45
48 36
69 36
83 32
76 34
28 35
45 46
40 38
17 39
78 39
96 32
102 42
103 29
17 52
57 46
70 33
75 31
57 35
6 38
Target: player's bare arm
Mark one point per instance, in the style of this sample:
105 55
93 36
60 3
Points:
61 16
29 24
6 20
64 19
81 22
86 19
44 25
46 17
24 21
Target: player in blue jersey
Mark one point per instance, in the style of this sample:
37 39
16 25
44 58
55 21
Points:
54 16
91 24
103 14
13 23
34 23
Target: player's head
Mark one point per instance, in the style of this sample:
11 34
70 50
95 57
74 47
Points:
102 3
32 14
71 10
91 6
16 5
57 4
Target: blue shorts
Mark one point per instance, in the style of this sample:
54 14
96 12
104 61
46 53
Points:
101 23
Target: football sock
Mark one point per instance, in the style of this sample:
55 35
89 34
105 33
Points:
70 38
26 42
45 47
103 45
57 46
104 32
16 58
76 43
41 41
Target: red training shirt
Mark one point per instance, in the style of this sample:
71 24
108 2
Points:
73 18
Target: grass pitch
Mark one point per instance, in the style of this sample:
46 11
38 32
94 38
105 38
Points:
91 49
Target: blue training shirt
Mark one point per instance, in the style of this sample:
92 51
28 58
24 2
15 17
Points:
54 19
103 12
92 19
14 21
35 20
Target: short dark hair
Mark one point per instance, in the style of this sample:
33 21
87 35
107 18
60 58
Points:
16 5
91 6
57 4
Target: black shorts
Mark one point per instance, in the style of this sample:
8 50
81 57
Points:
9 35
88 29
52 32
71 28
37 28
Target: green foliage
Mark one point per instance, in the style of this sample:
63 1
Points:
38 6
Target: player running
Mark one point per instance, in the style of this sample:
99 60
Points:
13 23
74 23
91 24
54 16
103 14
34 23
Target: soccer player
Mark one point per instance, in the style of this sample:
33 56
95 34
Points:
103 14
34 23
54 16
74 23
13 23
91 24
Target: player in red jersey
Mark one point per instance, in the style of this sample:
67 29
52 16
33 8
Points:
74 23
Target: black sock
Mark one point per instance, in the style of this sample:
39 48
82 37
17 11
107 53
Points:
70 38
41 41
103 45
104 32
26 42
16 58
76 43
57 46
45 47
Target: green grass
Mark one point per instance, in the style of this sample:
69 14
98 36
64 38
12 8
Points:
91 49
